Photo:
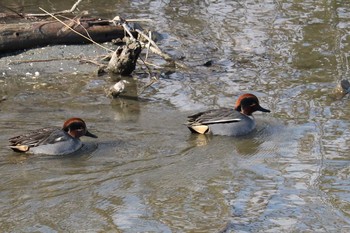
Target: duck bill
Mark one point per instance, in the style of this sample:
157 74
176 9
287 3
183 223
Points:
88 134
263 109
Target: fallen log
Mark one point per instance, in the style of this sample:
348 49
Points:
20 36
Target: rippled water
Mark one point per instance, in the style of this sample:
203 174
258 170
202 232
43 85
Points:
146 172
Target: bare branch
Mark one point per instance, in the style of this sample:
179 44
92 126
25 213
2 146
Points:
87 38
56 13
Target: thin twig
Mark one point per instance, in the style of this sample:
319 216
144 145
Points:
155 49
91 61
126 28
138 20
76 31
154 65
148 46
56 13
74 6
13 11
153 78
148 38
74 21
148 69
43 60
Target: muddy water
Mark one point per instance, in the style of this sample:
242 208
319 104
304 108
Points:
146 172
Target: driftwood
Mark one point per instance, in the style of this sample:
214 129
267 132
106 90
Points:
124 59
82 30
28 35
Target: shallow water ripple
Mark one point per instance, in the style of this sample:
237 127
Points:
146 172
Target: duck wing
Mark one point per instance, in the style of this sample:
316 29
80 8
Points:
35 137
215 116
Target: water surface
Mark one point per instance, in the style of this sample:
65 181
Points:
146 172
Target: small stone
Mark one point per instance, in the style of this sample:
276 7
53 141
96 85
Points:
117 88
